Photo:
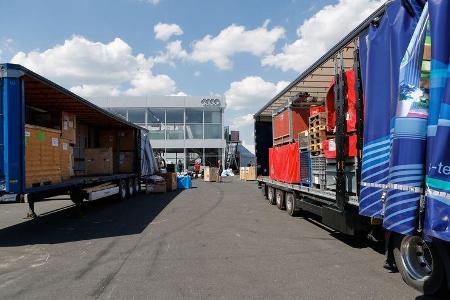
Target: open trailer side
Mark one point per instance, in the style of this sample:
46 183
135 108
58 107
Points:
54 142
422 256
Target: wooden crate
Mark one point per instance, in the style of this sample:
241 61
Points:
42 156
171 181
211 174
99 161
250 173
66 159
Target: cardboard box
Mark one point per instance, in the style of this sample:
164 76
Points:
242 173
126 162
250 173
211 174
126 140
99 161
108 139
158 187
66 159
171 181
42 156
68 127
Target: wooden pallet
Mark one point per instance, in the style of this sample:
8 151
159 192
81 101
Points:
318 119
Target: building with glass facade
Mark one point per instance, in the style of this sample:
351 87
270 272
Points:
182 128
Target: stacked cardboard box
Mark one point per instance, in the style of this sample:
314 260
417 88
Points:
42 156
211 174
157 187
171 181
99 161
66 159
126 162
247 173
68 127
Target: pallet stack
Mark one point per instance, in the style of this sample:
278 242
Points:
317 132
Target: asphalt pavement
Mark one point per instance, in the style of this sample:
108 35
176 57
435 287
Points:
217 240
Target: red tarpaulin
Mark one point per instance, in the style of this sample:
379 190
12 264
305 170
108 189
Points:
284 163
329 147
351 99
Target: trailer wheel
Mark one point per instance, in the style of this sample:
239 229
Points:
290 204
279 195
130 188
271 195
419 264
123 190
136 186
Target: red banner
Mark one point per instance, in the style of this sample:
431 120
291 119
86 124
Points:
284 163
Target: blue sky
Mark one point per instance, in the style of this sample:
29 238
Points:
246 51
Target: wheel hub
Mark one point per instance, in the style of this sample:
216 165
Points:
416 257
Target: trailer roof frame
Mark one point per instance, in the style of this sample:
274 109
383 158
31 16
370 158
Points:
342 44
61 93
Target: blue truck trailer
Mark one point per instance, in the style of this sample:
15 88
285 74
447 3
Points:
396 188
29 101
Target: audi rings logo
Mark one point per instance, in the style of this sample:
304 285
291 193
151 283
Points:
210 102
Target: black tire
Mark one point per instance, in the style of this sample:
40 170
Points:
136 186
130 188
77 197
123 190
271 195
279 199
290 204
419 264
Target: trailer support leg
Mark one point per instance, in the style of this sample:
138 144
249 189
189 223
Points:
31 213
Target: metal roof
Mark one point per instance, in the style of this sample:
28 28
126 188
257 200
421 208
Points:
45 94
316 79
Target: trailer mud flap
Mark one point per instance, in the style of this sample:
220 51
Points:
344 222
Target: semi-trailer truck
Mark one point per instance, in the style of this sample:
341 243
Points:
53 142
395 188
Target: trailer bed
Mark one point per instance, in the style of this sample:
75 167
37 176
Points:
325 194
79 182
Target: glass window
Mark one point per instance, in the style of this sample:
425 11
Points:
156 115
175 131
175 115
213 116
194 115
194 155
212 156
156 131
213 131
194 131
173 156
121 112
136 115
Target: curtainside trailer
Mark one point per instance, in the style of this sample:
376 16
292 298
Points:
374 160
54 142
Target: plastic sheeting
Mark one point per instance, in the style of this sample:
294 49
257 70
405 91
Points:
284 163
386 45
408 139
184 182
148 161
437 209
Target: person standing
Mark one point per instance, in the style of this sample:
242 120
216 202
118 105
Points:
197 169
220 170
179 166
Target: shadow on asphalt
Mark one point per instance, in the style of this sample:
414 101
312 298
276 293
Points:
355 241
94 220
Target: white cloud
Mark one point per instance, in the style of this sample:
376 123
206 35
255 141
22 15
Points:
197 73
154 2
235 39
164 31
93 90
179 94
251 92
241 121
146 83
97 69
320 32
174 50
